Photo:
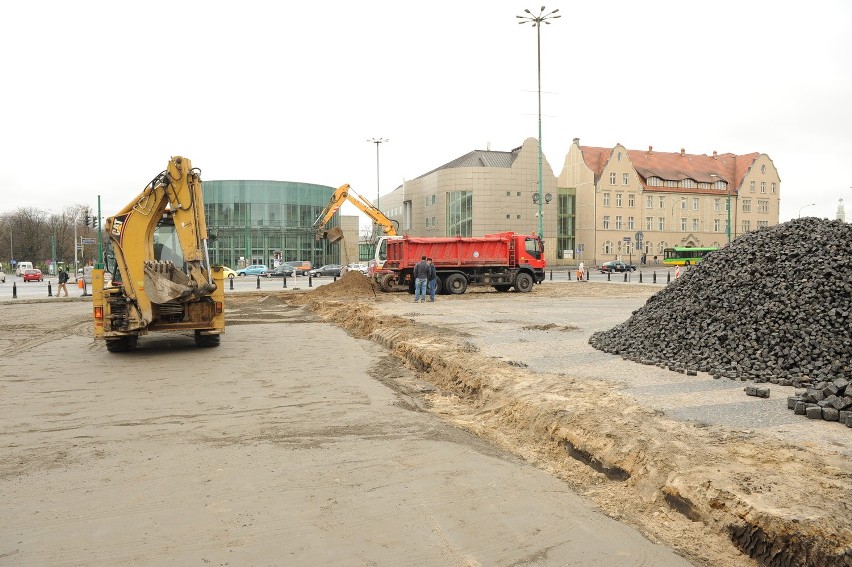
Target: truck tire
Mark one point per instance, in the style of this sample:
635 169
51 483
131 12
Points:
456 284
503 287
386 282
523 282
121 344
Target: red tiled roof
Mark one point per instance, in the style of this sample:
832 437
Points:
676 167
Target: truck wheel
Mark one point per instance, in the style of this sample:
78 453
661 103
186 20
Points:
386 282
122 344
204 341
502 287
456 284
524 282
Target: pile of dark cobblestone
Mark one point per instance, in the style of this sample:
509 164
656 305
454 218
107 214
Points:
775 305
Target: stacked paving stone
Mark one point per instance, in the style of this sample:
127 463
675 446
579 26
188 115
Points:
773 306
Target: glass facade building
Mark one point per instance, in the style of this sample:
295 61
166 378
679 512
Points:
267 222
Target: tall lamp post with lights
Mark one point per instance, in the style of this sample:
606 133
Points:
377 141
536 22
804 207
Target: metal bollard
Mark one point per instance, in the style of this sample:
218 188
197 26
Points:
569 275
258 282
49 291
625 276
608 274
285 282
640 277
668 277
655 276
14 290
310 281
551 275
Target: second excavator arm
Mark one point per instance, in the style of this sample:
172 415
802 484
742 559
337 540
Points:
340 196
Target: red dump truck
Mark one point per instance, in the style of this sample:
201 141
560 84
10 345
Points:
502 260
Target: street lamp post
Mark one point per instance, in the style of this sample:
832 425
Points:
536 22
377 141
808 205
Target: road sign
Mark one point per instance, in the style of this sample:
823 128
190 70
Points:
580 247
627 239
639 236
87 240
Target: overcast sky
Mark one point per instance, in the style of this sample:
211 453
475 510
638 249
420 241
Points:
96 96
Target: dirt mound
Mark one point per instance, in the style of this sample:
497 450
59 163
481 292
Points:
352 284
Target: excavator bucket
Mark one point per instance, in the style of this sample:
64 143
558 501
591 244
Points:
334 234
165 283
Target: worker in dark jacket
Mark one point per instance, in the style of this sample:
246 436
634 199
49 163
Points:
433 279
421 278
63 279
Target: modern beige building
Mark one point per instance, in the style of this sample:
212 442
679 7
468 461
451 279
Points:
667 199
482 192
601 201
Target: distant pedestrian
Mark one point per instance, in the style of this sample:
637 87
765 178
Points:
677 272
644 258
433 279
421 279
63 279
581 272
656 261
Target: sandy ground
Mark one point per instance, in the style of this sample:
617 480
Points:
276 448
690 461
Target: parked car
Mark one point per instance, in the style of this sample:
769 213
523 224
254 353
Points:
228 272
283 270
303 267
616 266
33 275
327 270
357 267
253 270
2 276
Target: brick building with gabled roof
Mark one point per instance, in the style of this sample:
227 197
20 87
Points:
666 198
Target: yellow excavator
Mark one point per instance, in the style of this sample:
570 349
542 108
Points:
341 195
162 279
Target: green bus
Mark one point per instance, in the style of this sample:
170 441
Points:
685 255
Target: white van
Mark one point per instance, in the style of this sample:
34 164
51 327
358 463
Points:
23 267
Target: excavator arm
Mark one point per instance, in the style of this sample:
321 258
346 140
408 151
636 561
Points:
148 274
340 196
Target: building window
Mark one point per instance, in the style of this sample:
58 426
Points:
683 224
618 197
508 216
607 247
662 202
459 216
751 187
612 178
694 225
721 185
631 200
654 182
662 223
434 224
717 225
518 217
606 222
695 203
688 183
631 223
649 223
746 226
508 193
717 205
618 222
619 156
763 168
746 205
427 222
519 194
649 202
762 206
763 187
606 199
625 179
661 247
773 188
762 224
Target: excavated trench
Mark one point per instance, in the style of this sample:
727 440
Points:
718 496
